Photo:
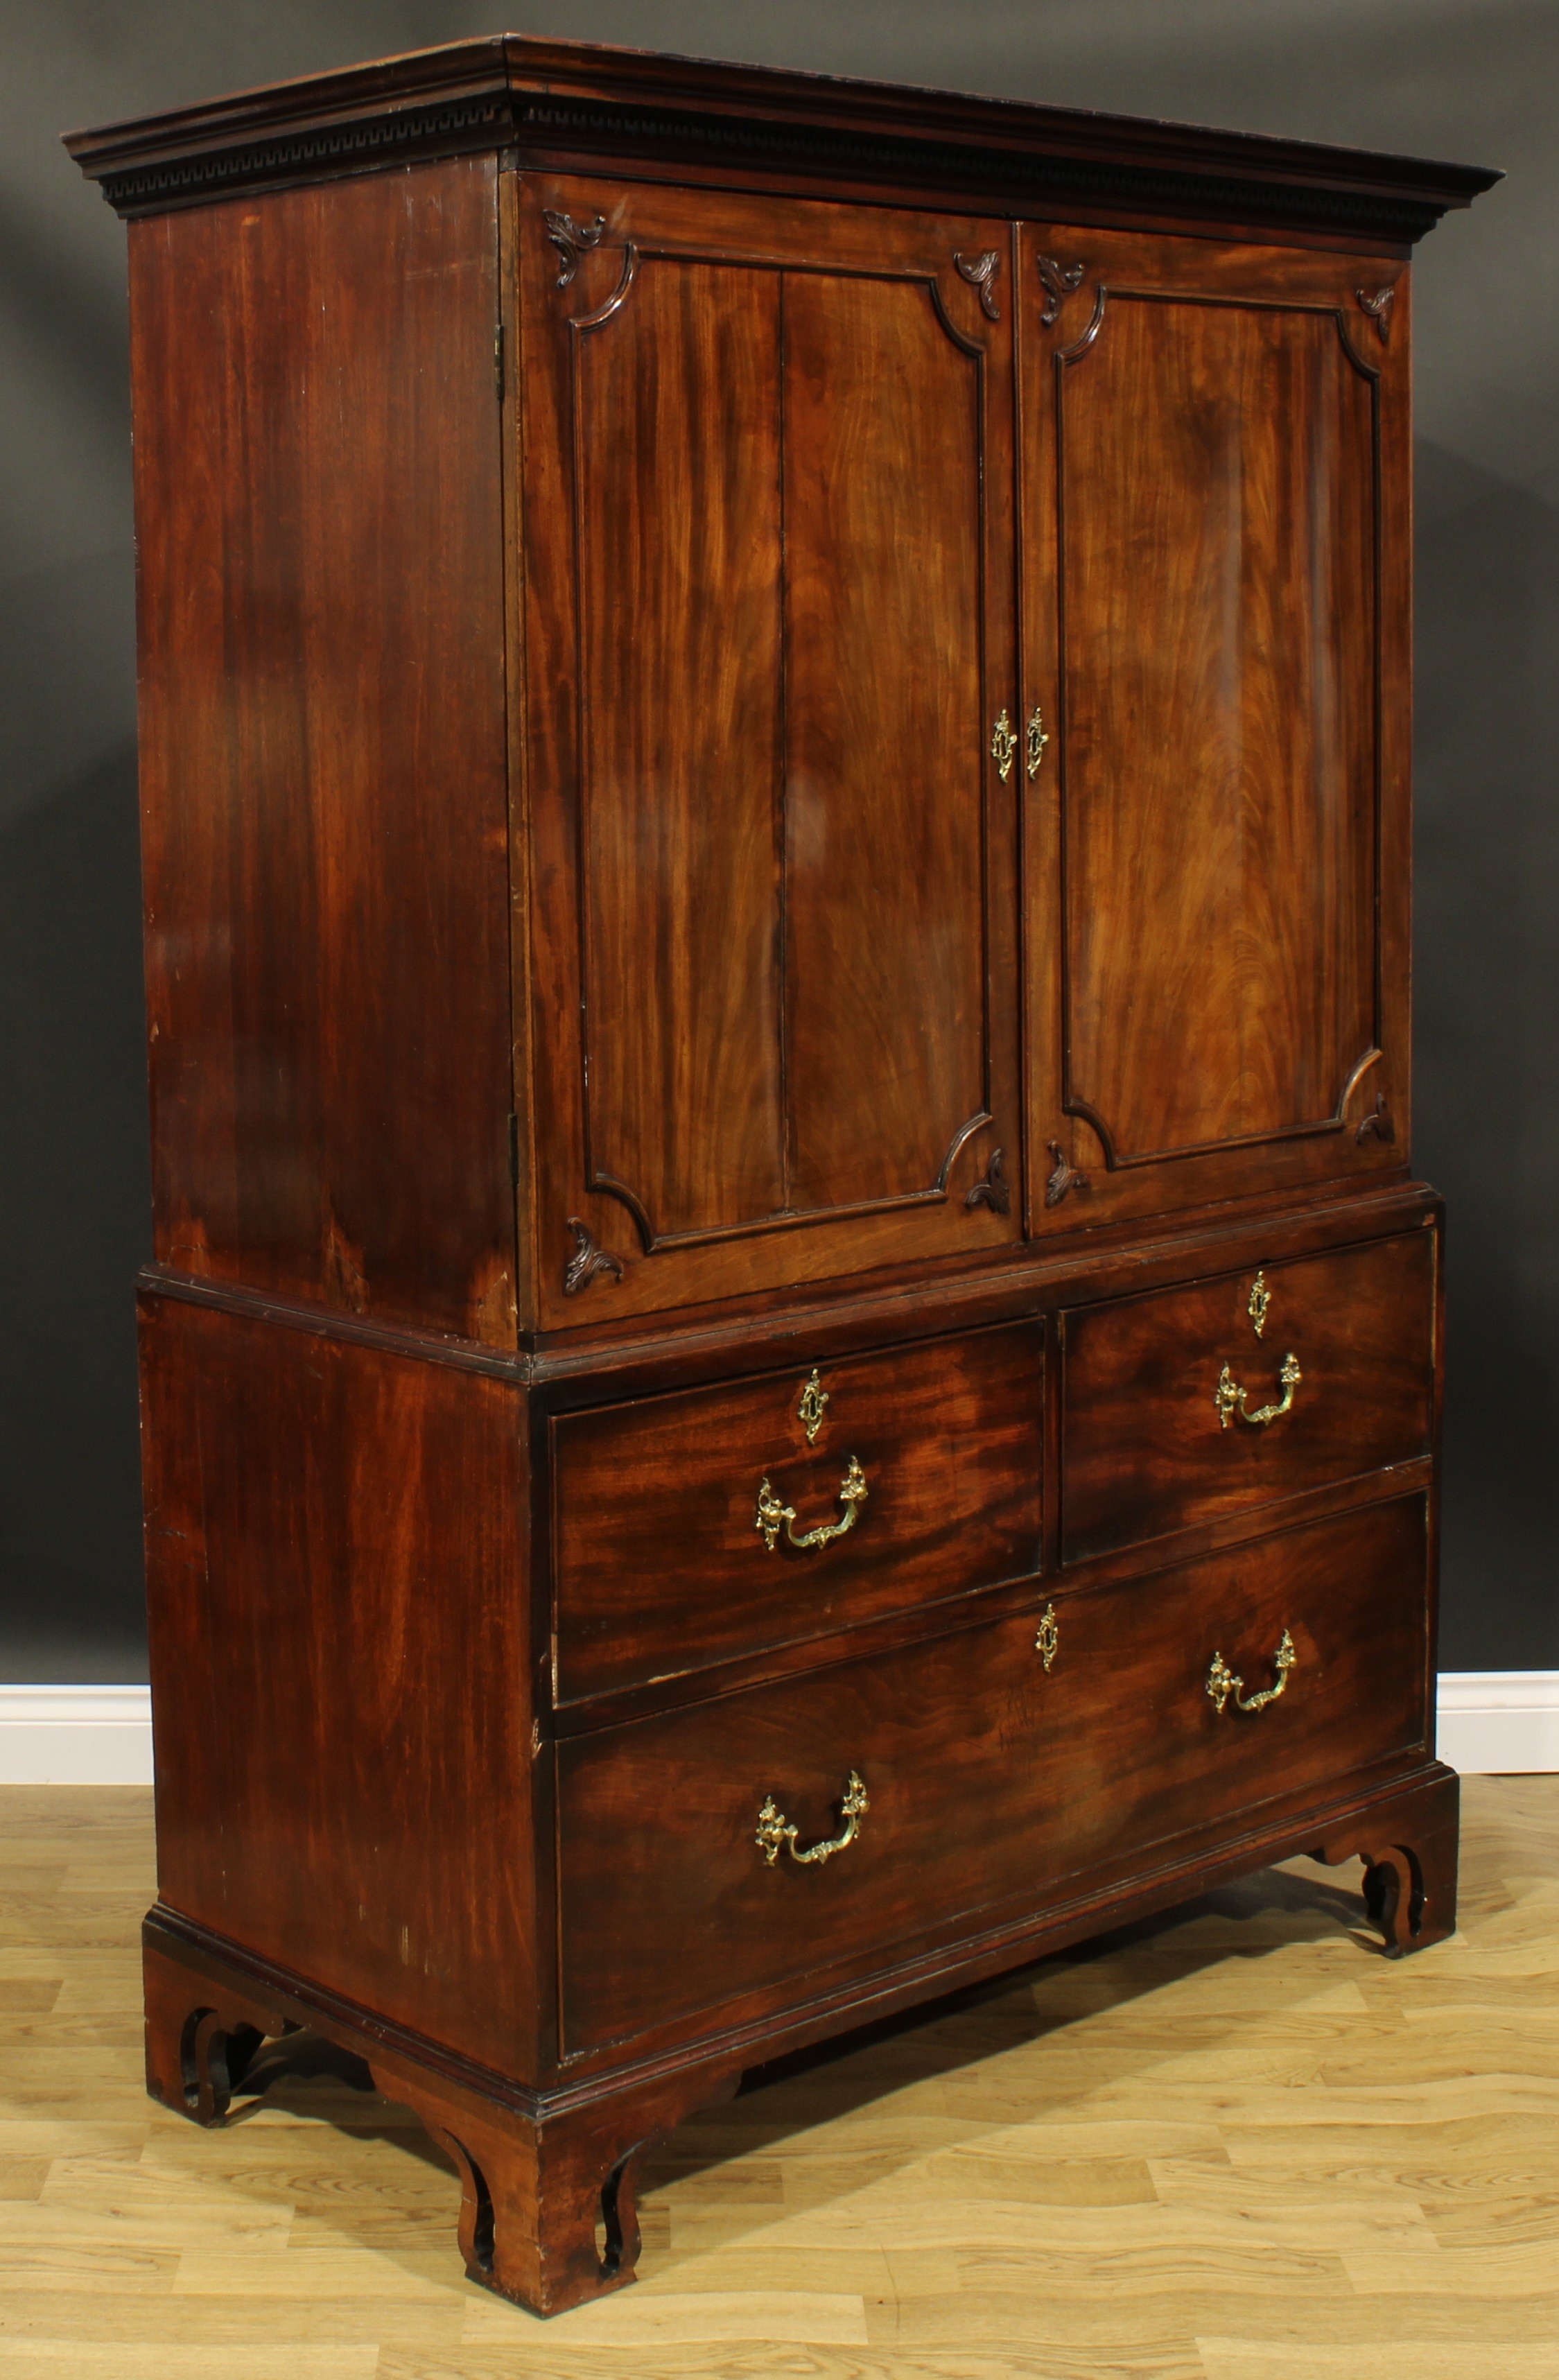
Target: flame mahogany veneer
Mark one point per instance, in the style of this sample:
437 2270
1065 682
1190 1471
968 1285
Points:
793 1356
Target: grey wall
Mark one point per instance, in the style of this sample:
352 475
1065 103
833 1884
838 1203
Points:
1467 78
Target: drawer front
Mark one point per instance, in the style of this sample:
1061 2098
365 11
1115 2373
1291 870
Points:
661 1565
988 1779
1149 1445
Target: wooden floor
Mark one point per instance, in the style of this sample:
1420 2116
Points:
1233 2144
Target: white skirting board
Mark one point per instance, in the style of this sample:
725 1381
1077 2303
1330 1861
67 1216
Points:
75 1735
1491 1723
1499 1722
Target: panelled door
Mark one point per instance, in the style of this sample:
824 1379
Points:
1215 665
769 616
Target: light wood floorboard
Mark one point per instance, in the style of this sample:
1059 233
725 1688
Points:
1234 2143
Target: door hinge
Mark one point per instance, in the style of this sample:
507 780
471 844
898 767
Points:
497 361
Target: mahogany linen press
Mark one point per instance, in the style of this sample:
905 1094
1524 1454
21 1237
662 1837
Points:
793 1354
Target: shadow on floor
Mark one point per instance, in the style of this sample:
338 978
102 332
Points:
935 2039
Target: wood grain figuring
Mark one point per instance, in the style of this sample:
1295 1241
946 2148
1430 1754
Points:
339 1668
989 1779
769 744
1217 479
886 962
680 691
1217 607
659 1566
1144 1449
321 735
772 878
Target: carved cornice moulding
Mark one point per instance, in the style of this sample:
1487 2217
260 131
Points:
521 95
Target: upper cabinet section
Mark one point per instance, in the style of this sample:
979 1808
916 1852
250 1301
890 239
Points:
1215 560
767 525
745 676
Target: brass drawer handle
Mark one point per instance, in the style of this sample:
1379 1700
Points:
1222 1682
771 1512
1230 1397
774 1828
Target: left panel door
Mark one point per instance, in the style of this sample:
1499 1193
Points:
769 625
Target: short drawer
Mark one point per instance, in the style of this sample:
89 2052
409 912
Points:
987 1776
915 1474
1192 1403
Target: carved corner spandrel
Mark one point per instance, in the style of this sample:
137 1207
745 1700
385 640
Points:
982 273
588 1262
1377 1125
1377 304
1064 1177
994 1191
572 240
1060 282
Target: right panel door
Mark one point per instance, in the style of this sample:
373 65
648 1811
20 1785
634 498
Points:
1215 626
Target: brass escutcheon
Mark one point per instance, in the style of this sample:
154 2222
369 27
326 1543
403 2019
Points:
1230 1397
1037 740
1257 1303
775 1831
772 1513
1222 1682
1048 1642
814 1399
1004 744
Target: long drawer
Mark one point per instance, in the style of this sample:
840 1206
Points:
1189 1403
711 1524
984 1772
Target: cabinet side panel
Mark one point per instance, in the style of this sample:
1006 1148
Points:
336 1578
319 510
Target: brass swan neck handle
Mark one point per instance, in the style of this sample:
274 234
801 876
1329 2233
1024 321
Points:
1222 1681
1230 1397
776 1832
772 1514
